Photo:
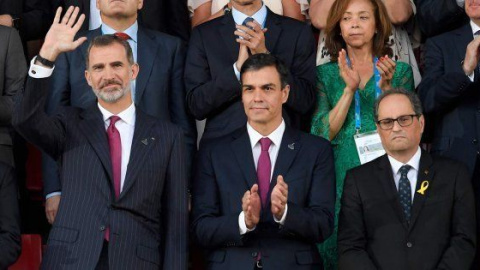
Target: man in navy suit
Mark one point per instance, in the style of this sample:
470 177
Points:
123 172
158 90
264 194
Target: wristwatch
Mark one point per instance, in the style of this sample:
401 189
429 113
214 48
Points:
44 61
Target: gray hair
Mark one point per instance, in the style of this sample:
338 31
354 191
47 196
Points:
412 97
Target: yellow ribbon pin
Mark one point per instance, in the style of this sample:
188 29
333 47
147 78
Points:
423 187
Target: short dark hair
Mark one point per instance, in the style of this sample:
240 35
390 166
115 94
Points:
261 60
106 40
412 97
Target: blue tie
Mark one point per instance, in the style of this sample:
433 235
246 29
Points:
405 191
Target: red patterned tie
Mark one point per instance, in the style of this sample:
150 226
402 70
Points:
122 36
264 168
115 144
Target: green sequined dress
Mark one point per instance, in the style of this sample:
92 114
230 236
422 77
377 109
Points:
330 87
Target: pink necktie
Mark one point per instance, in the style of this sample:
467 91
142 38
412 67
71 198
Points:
122 36
264 168
115 144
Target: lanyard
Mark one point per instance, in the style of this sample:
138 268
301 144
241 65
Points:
378 91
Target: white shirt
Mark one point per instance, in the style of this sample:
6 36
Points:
126 127
276 138
95 20
260 17
412 173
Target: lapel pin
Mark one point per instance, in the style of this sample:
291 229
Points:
145 141
153 138
291 146
426 172
423 187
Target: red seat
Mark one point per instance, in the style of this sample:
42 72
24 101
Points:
31 255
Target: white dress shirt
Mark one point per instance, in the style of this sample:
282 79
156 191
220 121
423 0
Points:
126 127
412 175
276 138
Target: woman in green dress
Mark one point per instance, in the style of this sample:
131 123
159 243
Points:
357 39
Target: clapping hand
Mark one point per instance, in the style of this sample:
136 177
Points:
386 68
251 207
348 73
279 198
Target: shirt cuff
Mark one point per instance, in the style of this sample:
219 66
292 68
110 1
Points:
38 72
49 195
461 3
472 77
237 73
242 225
282 220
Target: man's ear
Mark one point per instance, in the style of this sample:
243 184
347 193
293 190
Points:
135 68
88 78
285 93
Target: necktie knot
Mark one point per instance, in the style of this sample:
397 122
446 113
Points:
248 19
113 119
404 170
265 143
122 36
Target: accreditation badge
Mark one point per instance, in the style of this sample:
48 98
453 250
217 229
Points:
369 146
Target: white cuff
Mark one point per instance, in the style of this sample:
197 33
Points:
461 3
472 77
38 72
49 195
242 225
237 73
282 220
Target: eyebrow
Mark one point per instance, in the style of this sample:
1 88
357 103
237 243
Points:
360 12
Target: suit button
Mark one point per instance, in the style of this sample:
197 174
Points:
409 244
102 228
254 254
474 141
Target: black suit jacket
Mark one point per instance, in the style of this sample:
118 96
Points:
10 240
213 91
439 16
226 171
148 222
453 100
168 16
374 234
159 90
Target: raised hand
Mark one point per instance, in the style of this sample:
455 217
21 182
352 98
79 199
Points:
472 56
242 56
251 207
253 36
386 67
349 74
60 37
279 198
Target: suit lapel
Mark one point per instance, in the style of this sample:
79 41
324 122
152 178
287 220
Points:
243 153
425 173
273 24
143 141
146 55
385 176
93 127
226 32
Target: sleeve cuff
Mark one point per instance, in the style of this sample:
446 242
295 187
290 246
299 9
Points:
49 195
472 77
282 220
237 73
38 72
242 225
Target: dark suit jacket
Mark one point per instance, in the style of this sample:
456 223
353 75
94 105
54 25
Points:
168 16
448 94
226 170
439 16
148 222
10 239
373 232
213 91
13 70
159 87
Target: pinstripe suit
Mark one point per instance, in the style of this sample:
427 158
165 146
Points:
148 222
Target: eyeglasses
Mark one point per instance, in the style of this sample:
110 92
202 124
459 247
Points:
403 121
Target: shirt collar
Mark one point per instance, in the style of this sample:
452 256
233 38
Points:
475 27
131 31
275 136
259 16
414 162
127 115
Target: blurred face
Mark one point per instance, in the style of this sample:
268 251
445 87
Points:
472 8
358 24
109 73
263 96
119 8
399 141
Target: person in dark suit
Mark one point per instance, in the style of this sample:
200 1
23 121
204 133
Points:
123 172
264 194
10 240
217 50
158 90
406 209
439 16
168 16
13 70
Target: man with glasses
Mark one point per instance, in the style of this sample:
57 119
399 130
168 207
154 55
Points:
406 209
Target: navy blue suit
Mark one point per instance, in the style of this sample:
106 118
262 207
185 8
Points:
148 221
159 87
226 171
